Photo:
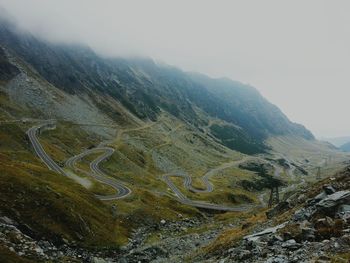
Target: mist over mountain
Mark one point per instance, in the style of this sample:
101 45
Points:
107 159
147 88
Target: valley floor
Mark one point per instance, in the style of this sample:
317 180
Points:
179 218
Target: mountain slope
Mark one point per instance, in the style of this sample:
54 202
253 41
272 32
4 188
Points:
146 88
345 147
177 140
337 141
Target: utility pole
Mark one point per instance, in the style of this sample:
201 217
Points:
318 174
274 196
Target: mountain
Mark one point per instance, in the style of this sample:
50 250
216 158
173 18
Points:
130 160
345 147
147 88
337 141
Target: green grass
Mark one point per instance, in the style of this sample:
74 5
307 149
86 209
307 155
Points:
7 256
51 205
340 258
129 165
54 206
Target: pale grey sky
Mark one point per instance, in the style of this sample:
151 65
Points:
296 53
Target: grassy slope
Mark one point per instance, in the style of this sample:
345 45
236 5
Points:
59 207
188 151
137 209
50 205
133 164
7 256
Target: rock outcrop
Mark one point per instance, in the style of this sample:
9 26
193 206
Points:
317 231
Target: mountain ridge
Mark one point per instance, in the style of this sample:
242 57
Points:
146 88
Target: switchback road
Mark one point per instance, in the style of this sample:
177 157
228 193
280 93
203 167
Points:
97 174
122 191
39 150
209 188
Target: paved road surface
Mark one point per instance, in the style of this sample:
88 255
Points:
183 199
209 188
39 150
122 190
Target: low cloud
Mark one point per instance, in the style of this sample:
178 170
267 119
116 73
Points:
295 52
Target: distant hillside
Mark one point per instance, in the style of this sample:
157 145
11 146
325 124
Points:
338 141
243 118
345 147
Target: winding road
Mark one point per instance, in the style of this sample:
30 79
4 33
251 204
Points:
183 199
39 150
209 188
122 191
97 174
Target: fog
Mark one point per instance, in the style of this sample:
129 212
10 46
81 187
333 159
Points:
296 53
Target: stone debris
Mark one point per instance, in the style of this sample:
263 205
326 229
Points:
319 229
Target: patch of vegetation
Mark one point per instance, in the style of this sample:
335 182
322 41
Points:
52 206
340 257
8 256
237 139
171 108
7 70
230 237
257 167
283 162
66 140
46 204
264 181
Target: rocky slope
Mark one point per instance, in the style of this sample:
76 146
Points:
308 226
311 225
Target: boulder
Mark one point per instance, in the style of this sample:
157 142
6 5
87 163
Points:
304 213
277 210
308 233
317 198
344 213
278 259
243 255
6 220
291 244
328 189
301 198
267 231
334 200
324 222
344 209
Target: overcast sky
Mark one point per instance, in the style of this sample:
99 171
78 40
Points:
296 53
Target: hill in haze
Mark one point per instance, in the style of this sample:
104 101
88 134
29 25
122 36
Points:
337 141
345 147
146 88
